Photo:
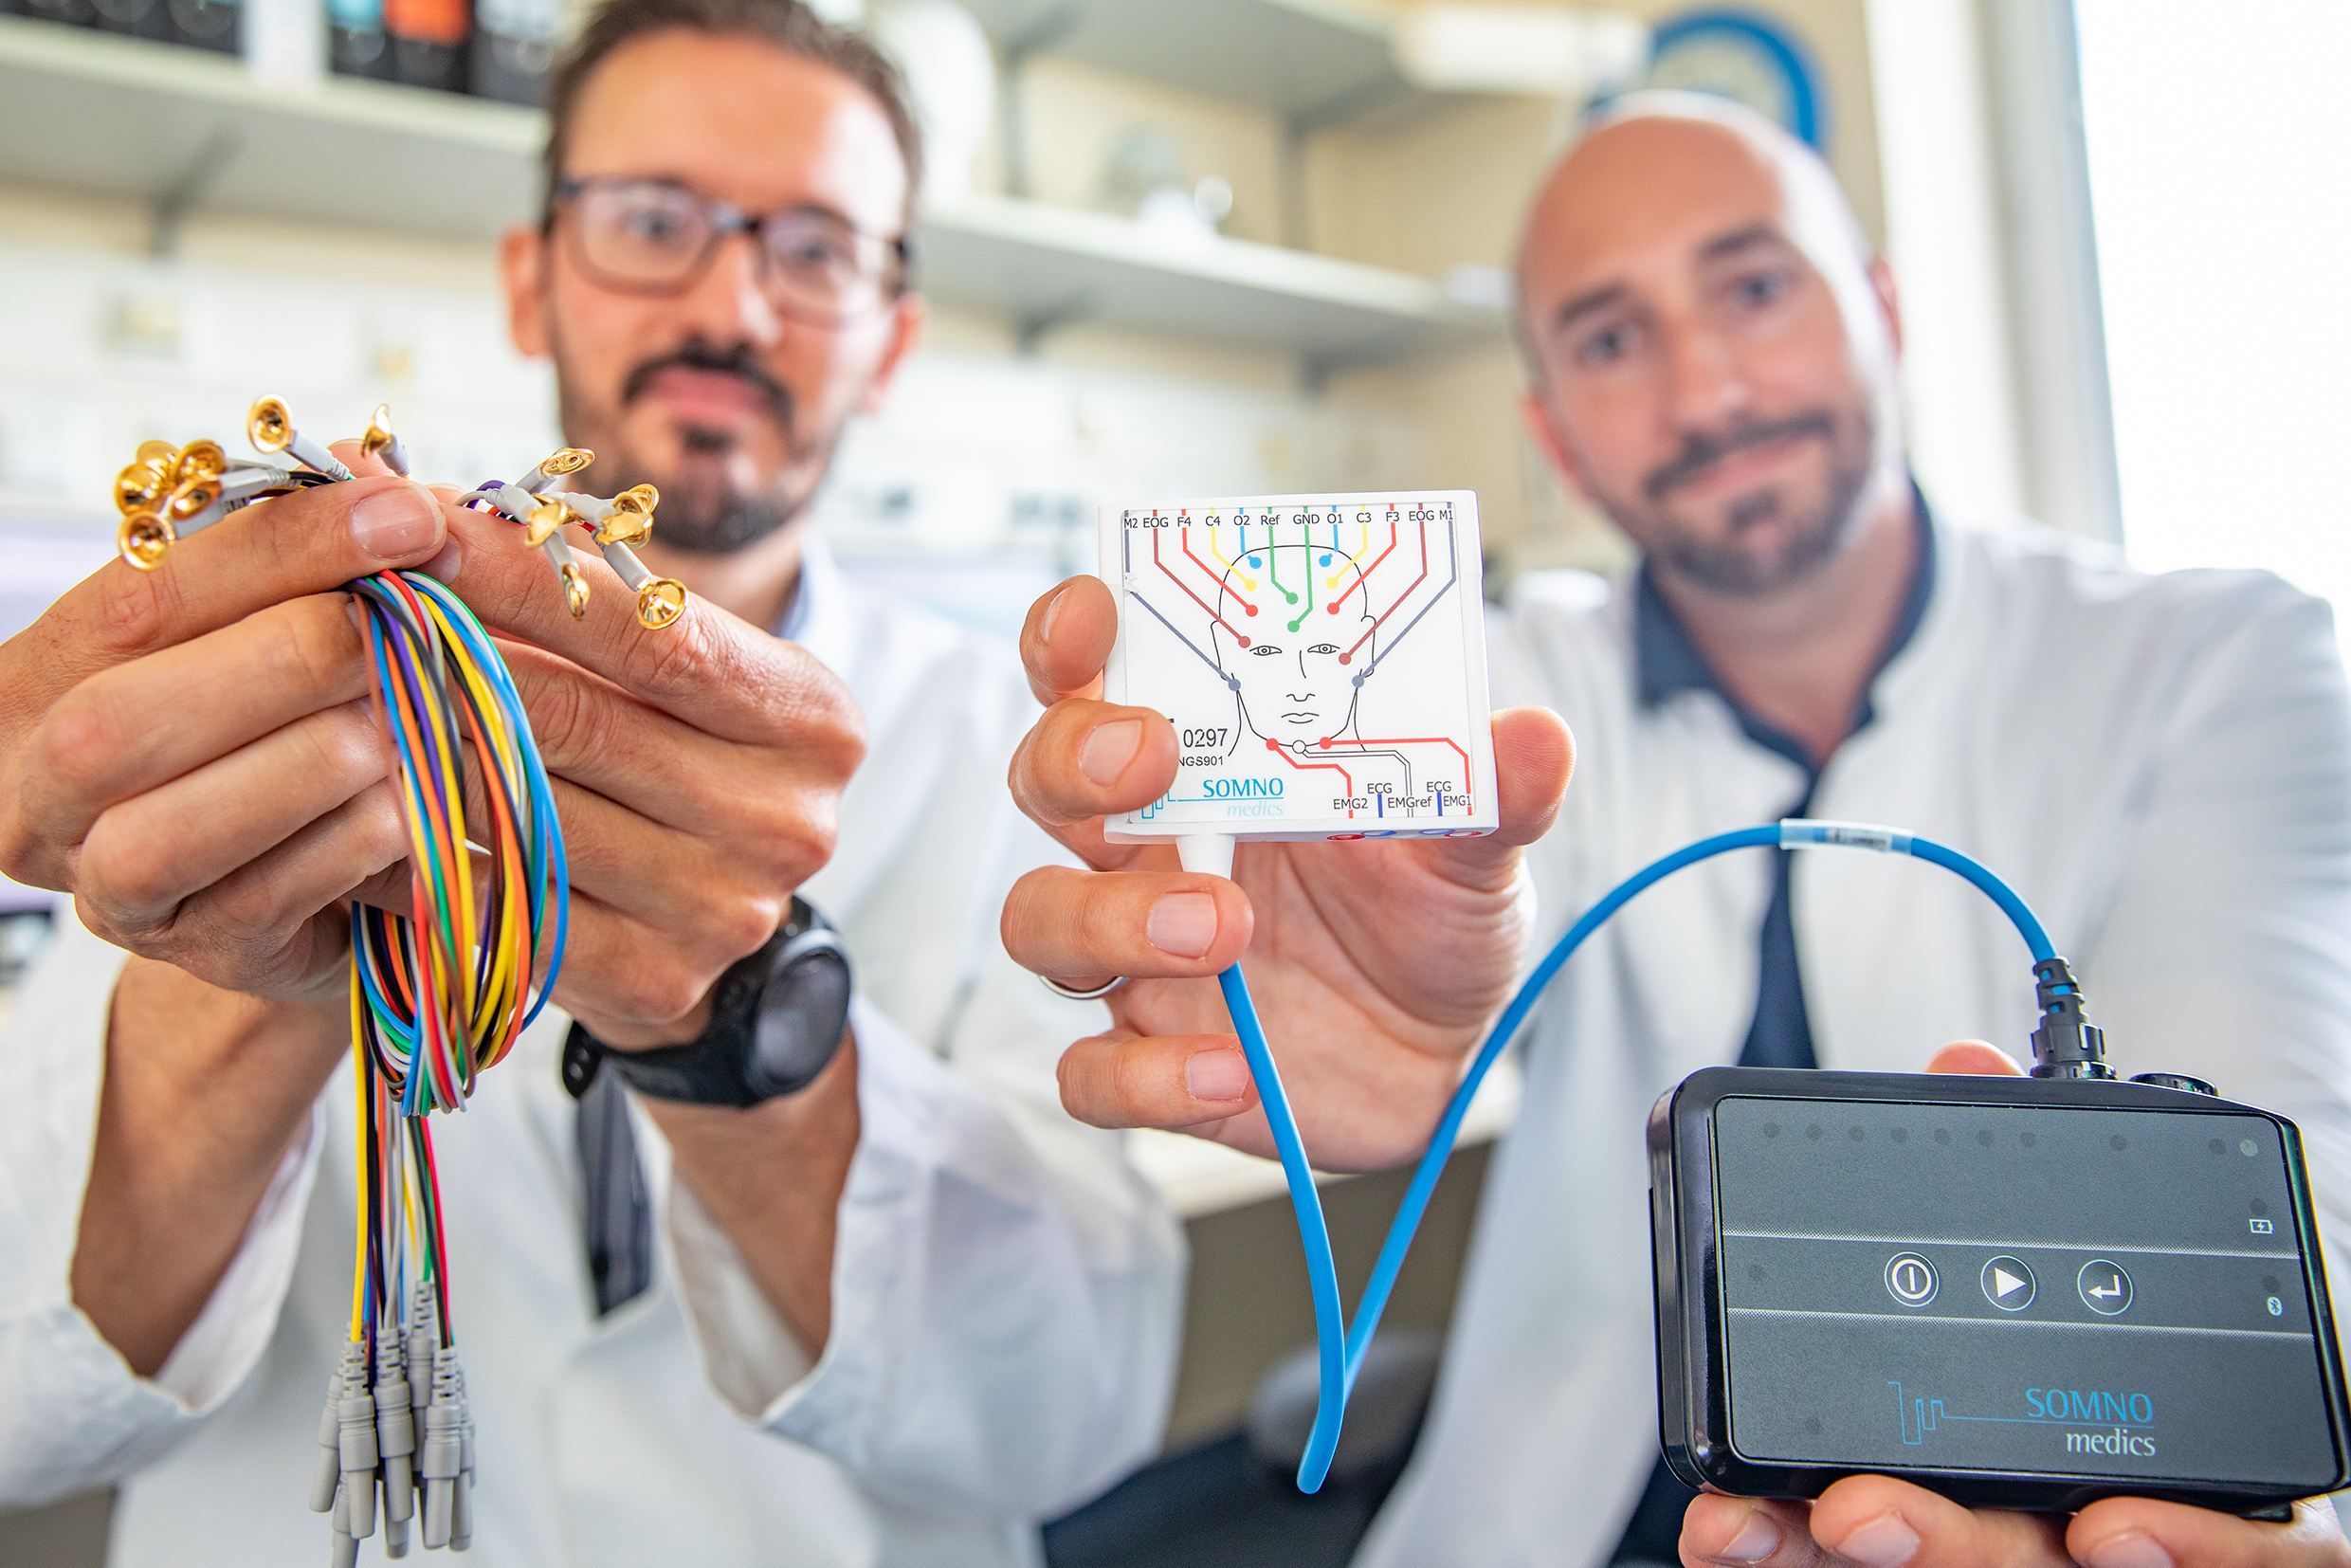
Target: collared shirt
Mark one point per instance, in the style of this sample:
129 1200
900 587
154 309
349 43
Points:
1665 662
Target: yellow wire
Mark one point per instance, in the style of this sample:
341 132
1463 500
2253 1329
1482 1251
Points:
1247 582
495 997
1361 551
460 869
358 1079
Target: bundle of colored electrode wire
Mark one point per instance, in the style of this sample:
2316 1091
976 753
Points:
437 997
441 993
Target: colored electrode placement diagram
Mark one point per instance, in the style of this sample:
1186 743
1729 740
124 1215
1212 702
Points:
1321 657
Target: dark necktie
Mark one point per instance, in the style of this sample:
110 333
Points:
620 1212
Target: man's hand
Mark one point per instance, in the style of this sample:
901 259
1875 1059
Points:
1877 1521
697 771
1379 965
1880 1522
191 753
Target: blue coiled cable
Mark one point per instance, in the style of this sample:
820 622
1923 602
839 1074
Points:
1341 1349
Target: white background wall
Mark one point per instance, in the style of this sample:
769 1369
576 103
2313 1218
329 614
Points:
1945 243
2220 172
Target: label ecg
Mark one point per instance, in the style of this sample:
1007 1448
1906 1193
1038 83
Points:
1321 657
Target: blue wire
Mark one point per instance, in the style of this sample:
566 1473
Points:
549 863
1342 1350
1330 1321
2028 925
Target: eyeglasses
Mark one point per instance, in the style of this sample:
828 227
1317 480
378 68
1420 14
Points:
657 236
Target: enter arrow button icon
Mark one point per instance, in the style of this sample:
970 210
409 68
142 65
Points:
2106 1289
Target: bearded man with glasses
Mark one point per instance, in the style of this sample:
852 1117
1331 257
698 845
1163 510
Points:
838 1282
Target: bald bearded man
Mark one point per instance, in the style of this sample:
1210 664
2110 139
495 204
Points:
2161 764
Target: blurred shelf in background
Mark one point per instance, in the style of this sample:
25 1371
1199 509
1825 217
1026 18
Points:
1311 61
1049 266
183 130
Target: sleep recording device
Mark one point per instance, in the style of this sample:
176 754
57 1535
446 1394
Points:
2019 1292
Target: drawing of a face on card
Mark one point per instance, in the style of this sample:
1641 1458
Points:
1321 657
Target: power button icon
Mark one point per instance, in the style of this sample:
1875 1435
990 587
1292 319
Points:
1910 1279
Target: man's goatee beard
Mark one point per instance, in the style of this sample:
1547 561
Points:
693 521
1721 567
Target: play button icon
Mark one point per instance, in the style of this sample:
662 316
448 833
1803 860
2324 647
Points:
2008 1284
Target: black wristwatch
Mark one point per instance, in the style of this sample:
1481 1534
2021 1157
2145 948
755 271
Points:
775 1020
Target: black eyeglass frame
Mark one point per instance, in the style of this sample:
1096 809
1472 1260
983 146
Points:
726 219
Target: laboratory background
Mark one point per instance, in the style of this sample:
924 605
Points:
1205 246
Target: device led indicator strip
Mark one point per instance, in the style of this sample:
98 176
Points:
1341 1346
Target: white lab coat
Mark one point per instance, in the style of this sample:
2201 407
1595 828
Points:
1006 1289
2161 765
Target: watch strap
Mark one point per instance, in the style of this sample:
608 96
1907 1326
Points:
777 1017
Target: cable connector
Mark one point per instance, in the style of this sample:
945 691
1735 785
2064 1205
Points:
440 1458
355 1507
395 1427
2066 1045
328 1473
423 1328
461 1512
346 1546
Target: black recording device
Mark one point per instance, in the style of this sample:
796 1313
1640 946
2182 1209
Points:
2018 1293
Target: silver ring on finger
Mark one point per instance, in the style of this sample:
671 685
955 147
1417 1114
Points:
1091 994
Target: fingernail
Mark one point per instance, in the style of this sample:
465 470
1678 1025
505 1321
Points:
1754 1543
1053 612
398 519
1885 1542
1216 1075
1109 749
444 567
2128 1550
1182 925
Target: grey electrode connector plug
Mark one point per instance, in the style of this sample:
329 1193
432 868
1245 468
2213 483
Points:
395 1426
358 1407
440 1458
346 1544
460 1513
329 1470
423 1328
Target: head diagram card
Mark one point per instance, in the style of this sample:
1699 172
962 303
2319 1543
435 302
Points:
1322 659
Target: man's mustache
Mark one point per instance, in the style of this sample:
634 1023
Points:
696 355
1701 451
